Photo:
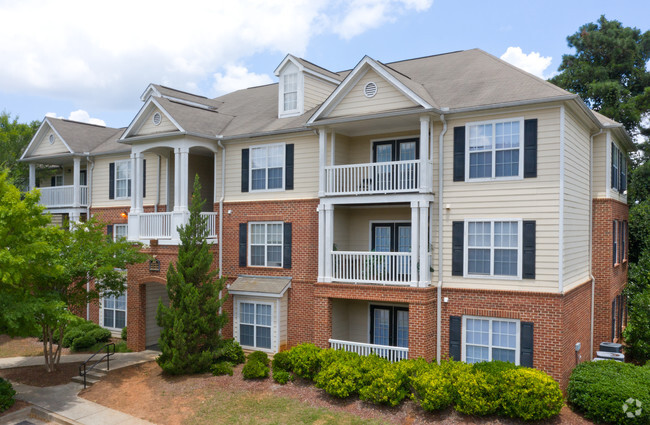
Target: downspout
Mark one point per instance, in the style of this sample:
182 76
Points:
560 268
223 194
591 237
439 291
89 191
155 207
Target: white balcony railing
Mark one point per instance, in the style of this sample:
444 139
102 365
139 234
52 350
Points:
213 224
378 177
371 267
394 354
156 225
63 196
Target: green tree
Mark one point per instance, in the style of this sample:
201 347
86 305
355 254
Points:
14 138
637 331
190 340
608 71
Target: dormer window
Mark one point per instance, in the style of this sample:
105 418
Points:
290 91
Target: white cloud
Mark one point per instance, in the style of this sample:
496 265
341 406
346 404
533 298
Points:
101 54
532 62
79 115
238 77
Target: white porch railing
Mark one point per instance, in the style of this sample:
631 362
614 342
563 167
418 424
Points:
213 224
156 225
63 196
378 177
394 354
371 267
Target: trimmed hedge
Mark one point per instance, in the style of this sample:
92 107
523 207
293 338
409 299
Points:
305 360
530 394
600 390
221 368
259 356
7 394
83 335
232 352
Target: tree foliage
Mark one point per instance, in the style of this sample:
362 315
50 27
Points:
14 138
637 331
190 340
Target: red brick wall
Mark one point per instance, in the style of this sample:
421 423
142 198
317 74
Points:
576 319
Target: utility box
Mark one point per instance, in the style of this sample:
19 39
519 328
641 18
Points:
611 347
606 355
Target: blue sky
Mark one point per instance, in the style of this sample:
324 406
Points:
77 59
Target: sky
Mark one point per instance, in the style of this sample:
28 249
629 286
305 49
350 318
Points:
90 61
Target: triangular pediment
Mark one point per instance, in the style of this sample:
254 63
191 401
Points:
46 142
152 119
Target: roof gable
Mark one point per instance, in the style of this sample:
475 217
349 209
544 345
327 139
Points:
47 141
143 123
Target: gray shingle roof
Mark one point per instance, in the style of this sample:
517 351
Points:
82 137
168 91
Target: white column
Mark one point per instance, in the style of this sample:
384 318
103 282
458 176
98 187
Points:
76 180
183 170
415 246
177 179
214 181
32 176
322 153
425 275
424 153
332 148
134 188
321 243
329 241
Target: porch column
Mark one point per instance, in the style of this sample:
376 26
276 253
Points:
322 153
415 245
76 181
425 275
329 241
181 160
136 182
321 243
424 154
32 175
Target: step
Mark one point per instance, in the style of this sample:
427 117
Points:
89 380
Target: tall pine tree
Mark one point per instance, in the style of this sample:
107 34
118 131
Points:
190 339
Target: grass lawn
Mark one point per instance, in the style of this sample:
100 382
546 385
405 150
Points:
20 347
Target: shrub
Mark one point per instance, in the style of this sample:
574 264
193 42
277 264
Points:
100 334
255 369
83 342
7 393
282 376
304 360
70 335
124 333
477 393
232 352
600 389
341 378
432 389
454 370
84 330
530 394
388 385
281 361
221 368
637 331
259 356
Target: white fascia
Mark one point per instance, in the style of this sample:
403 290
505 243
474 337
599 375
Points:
143 111
38 135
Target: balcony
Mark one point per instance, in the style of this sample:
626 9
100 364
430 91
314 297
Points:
393 354
162 226
372 267
63 196
373 178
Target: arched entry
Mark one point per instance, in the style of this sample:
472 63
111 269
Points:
155 291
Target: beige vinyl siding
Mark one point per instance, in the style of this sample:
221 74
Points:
576 202
341 150
283 306
527 199
100 181
387 98
316 91
350 320
148 126
356 223
305 174
44 148
203 166
601 166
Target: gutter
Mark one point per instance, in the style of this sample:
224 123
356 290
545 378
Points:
591 239
560 265
223 194
439 289
89 191
413 111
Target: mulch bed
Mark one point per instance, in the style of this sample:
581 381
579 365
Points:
38 376
19 404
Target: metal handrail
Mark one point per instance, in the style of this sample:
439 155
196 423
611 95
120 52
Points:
106 356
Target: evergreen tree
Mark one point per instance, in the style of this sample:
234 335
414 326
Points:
190 339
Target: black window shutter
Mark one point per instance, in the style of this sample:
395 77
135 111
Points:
243 239
613 318
613 173
144 178
614 242
623 166
458 240
528 255
111 180
530 148
459 154
286 248
455 337
109 230
244 170
288 164
621 173
526 345
53 181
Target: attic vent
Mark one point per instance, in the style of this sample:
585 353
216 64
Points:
157 118
51 139
370 89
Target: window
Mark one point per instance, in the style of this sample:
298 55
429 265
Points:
114 311
389 326
618 169
58 180
290 94
494 150
265 244
493 248
122 179
120 231
267 167
615 166
255 324
487 339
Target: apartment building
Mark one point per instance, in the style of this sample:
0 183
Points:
445 206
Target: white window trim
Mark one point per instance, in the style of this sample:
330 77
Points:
492 275
250 245
615 163
300 82
520 176
284 168
491 319
57 177
126 312
128 161
273 324
121 225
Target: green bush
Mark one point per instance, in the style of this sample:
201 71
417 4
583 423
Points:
389 385
83 342
454 370
281 361
100 334
84 330
432 389
637 331
259 356
304 360
221 368
255 369
341 378
477 393
600 390
232 352
7 393
530 394
70 335
124 333
282 376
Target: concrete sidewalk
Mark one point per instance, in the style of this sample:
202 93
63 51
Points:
118 360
